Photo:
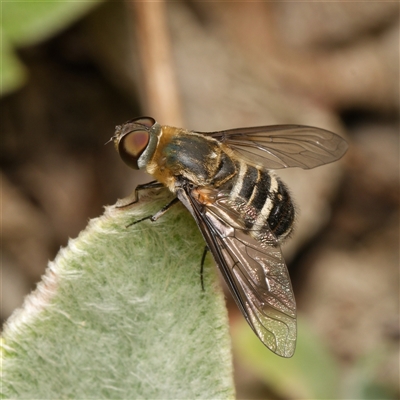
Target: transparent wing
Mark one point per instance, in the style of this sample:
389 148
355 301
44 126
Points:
283 146
255 272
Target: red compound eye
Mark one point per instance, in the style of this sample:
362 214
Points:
132 145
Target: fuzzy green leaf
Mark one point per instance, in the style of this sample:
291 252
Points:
120 314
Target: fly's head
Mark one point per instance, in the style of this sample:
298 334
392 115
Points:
136 141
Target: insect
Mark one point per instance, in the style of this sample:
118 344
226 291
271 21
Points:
242 209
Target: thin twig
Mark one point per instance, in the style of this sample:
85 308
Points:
160 97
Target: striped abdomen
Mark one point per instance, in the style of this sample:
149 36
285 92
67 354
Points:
263 199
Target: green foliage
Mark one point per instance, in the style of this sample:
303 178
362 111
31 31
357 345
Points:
366 381
28 22
311 373
120 314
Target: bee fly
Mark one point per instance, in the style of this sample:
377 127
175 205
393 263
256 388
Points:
242 209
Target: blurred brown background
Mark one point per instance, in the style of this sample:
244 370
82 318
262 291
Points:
219 65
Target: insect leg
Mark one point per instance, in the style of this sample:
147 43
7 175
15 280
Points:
203 258
158 214
139 188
